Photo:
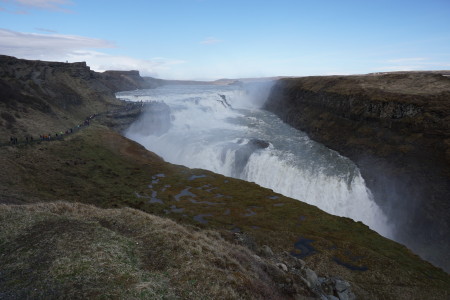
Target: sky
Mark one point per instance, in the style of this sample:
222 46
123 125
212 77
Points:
213 39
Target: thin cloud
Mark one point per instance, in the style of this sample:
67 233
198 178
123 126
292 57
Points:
412 64
101 62
59 47
27 45
53 5
210 41
407 59
46 30
45 4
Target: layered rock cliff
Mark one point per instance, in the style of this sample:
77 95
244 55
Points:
396 127
36 96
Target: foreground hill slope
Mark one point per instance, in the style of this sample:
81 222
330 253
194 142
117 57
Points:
99 167
396 128
74 251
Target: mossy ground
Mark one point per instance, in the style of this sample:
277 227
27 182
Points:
98 166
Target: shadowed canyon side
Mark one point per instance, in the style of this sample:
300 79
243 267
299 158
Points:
92 219
396 128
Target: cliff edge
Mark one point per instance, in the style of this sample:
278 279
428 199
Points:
396 128
37 96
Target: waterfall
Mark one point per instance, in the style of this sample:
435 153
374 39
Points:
222 129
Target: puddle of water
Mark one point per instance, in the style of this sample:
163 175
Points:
165 187
350 266
204 202
235 230
204 187
273 197
176 209
249 213
199 218
303 248
154 199
227 212
185 193
193 177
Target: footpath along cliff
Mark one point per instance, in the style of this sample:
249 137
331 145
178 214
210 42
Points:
396 128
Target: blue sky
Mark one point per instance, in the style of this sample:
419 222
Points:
211 39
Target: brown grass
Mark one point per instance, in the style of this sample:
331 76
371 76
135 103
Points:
78 251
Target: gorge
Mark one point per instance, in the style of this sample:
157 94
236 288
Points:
95 213
396 128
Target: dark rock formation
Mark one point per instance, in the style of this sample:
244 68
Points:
128 80
396 127
243 149
44 95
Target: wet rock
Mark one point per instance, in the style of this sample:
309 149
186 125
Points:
282 267
259 144
243 151
245 240
343 290
311 278
266 251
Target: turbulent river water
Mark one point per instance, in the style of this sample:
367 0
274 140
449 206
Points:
224 130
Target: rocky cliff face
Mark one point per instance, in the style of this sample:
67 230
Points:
396 127
37 96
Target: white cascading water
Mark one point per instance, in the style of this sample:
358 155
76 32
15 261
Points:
223 129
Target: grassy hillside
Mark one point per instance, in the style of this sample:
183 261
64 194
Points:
74 251
98 166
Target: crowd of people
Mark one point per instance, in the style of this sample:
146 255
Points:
57 136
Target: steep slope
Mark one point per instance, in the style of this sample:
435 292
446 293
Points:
396 127
37 96
74 251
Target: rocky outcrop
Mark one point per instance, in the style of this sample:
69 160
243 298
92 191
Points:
396 128
37 96
128 80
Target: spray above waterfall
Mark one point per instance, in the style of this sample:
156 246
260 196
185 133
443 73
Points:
223 129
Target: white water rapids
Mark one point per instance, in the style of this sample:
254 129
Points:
223 129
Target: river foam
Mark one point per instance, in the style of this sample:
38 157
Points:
222 129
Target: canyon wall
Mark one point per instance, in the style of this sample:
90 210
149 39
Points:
396 128
37 96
